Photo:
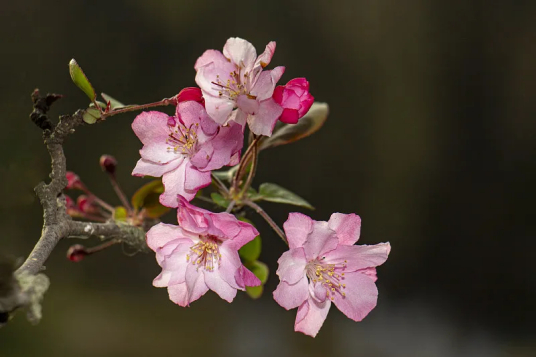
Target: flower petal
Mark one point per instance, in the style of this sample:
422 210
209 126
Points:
291 296
297 227
292 265
244 277
321 240
227 143
361 296
356 257
195 179
240 52
247 105
193 115
229 266
195 282
178 293
311 316
264 58
219 286
162 233
347 226
152 130
264 87
149 168
218 108
175 184
263 122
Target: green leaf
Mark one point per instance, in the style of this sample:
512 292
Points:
254 292
120 213
226 175
91 115
219 200
147 197
251 251
288 133
114 103
260 270
80 79
275 193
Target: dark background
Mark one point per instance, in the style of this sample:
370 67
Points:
431 139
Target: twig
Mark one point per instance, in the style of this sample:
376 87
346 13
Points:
267 218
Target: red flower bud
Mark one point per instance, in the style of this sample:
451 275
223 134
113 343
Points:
74 182
191 93
295 99
76 253
108 163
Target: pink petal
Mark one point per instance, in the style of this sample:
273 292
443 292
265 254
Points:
195 282
201 159
161 234
289 116
178 293
320 241
357 257
149 168
247 105
311 316
152 130
370 272
218 109
263 122
240 52
177 263
239 117
175 184
361 296
246 234
219 286
347 226
193 115
213 69
264 58
297 227
209 56
292 265
162 280
264 87
190 93
195 179
318 292
291 296
226 144
229 266
191 218
244 277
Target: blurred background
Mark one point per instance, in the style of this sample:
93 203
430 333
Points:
430 139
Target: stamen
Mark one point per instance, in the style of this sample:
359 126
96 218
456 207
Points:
330 276
205 254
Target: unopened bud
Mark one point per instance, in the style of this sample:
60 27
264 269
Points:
108 163
85 205
191 93
74 182
76 253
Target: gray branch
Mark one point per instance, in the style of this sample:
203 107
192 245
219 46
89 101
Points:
29 285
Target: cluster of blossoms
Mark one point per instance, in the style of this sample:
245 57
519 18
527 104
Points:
207 133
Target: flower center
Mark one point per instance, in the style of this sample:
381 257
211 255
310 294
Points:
330 276
233 87
205 254
181 139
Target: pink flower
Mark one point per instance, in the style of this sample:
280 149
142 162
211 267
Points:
323 266
235 79
295 99
184 149
201 253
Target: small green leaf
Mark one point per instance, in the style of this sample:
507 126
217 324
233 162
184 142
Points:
120 213
260 270
254 292
91 115
275 193
226 175
288 133
114 103
219 200
80 79
251 251
147 197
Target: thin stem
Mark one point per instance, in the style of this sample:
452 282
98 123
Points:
252 169
231 206
121 195
220 184
267 218
103 204
243 164
102 246
132 108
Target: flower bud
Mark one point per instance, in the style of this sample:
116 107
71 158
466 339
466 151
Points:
74 182
295 99
108 163
191 93
85 205
76 253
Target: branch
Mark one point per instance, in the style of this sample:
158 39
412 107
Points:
28 286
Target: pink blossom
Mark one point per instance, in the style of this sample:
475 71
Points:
323 265
184 149
235 87
295 99
201 253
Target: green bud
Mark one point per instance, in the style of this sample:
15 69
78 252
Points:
80 79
